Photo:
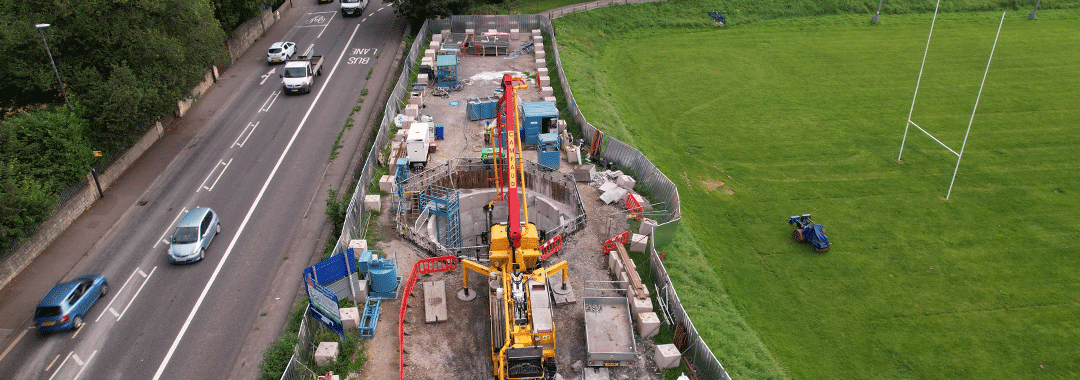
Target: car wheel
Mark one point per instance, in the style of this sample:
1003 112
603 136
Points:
217 229
202 253
104 289
77 323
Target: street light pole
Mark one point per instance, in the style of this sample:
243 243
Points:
41 30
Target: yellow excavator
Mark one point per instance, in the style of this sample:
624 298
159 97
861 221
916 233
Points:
522 326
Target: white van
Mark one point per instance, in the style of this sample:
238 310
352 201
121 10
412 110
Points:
353 7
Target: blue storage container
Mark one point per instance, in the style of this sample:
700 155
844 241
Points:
488 108
438 131
475 109
548 150
535 117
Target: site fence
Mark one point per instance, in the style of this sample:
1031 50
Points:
657 186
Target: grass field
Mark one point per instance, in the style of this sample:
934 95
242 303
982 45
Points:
774 117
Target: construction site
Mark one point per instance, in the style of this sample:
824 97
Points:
504 242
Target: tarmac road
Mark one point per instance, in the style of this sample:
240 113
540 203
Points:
260 159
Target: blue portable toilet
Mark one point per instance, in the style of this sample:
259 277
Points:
439 131
548 151
539 117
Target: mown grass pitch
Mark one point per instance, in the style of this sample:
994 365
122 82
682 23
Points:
758 122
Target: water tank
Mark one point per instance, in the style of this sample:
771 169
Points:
383 276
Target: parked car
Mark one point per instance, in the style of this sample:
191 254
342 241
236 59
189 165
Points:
193 235
280 51
65 305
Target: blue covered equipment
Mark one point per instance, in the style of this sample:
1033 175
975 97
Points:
808 232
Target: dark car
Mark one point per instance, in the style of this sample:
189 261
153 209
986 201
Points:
66 304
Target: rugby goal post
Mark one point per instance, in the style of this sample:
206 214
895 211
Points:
959 155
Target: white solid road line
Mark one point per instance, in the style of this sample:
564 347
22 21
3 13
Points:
254 205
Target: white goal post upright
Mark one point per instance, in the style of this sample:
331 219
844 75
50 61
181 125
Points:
960 154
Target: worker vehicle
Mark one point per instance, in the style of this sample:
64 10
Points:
353 7
522 327
809 232
299 74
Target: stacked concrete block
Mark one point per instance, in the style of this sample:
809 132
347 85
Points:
326 353
666 356
648 324
406 123
416 98
543 81
422 79
385 183
549 98
639 243
640 305
437 38
626 182
444 34
430 54
350 317
432 46
541 62
614 263
537 32
624 280
514 34
429 62
547 91
647 227
542 71
371 202
538 47
411 110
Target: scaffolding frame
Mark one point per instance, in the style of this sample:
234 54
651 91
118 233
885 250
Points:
443 204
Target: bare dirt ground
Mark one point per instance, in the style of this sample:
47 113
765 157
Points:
459 348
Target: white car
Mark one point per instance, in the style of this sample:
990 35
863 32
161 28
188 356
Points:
280 51
353 7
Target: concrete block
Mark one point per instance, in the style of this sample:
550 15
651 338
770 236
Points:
572 155
514 34
350 317
444 33
615 264
372 202
648 324
470 31
543 81
422 78
412 109
538 47
433 46
430 53
361 292
542 71
386 183
358 246
608 186
537 32
541 62
434 301
647 227
436 38
616 195
627 182
561 296
640 305
326 353
584 173
540 53
547 91
666 356
597 373
639 243
624 280
549 98
416 98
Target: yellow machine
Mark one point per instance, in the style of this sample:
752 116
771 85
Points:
522 329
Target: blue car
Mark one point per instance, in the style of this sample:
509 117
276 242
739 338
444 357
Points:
66 304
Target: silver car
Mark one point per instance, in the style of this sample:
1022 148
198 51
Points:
193 234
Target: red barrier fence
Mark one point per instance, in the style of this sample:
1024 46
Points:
609 245
424 266
550 247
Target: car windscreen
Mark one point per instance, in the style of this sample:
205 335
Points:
185 235
275 50
47 311
295 72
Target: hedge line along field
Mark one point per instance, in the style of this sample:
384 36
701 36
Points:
778 117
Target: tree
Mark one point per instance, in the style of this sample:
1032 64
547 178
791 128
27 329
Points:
416 11
48 146
24 204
